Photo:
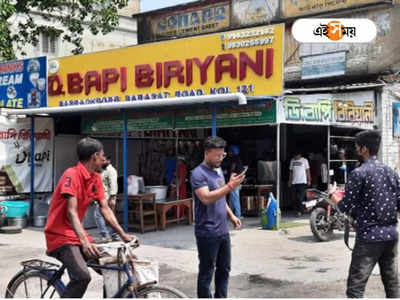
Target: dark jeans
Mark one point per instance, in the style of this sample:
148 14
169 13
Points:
363 260
300 190
214 254
73 258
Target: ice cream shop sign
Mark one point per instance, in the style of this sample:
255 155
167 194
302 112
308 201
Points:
247 61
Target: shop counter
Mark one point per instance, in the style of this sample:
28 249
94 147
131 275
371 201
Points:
254 198
164 206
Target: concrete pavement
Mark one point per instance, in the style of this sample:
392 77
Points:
264 263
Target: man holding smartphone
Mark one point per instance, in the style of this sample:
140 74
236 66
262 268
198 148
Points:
211 211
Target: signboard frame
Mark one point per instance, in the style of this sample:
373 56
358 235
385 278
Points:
249 61
345 109
323 65
23 83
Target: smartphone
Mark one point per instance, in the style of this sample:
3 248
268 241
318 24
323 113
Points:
244 171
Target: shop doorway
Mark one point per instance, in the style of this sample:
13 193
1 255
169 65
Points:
312 142
258 151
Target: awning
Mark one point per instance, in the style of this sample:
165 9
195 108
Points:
338 88
126 105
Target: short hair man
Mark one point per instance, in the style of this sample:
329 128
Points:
211 211
372 196
65 236
110 182
299 177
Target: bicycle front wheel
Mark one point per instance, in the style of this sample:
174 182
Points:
32 284
156 291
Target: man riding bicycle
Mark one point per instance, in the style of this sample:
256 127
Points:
66 238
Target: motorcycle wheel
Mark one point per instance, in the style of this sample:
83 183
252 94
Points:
321 229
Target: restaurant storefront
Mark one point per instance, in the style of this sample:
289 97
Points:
185 90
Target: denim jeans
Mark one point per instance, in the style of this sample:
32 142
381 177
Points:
234 202
363 260
105 231
214 255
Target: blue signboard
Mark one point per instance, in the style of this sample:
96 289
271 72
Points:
324 65
23 83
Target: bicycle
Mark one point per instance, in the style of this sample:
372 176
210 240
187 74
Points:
42 279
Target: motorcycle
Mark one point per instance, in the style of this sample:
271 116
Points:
325 216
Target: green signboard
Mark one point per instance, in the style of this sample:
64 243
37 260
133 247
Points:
106 124
228 116
184 119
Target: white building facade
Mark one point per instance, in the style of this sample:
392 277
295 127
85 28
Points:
124 35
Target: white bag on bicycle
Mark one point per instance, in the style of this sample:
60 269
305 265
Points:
113 281
146 271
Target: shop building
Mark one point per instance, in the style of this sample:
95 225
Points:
330 92
146 107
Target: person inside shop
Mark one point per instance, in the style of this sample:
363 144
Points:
66 239
318 170
179 181
315 169
211 210
169 167
340 168
181 177
372 197
299 178
109 176
233 164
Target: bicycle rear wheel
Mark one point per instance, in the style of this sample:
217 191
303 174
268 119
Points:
32 284
156 291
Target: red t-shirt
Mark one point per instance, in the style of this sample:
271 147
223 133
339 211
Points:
85 187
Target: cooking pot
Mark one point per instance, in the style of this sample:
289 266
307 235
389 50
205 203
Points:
2 217
2 220
18 222
39 221
159 190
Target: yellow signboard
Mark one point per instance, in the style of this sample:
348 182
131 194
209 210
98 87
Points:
248 61
296 8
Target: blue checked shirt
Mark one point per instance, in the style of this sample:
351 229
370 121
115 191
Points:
372 197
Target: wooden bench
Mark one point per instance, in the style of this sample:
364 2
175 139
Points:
164 206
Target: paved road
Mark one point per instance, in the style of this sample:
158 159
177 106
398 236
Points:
265 264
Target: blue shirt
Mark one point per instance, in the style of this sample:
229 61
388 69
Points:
372 197
170 167
211 219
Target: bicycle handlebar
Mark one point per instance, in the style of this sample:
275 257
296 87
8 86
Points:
120 244
125 253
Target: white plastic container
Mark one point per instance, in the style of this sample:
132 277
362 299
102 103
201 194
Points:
159 190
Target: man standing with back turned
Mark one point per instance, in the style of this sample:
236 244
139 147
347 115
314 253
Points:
372 197
211 212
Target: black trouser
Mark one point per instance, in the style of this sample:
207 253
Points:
214 254
72 257
300 190
363 260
